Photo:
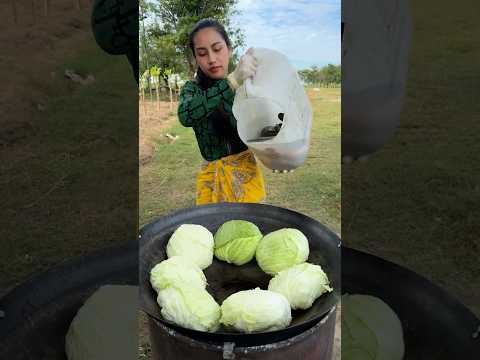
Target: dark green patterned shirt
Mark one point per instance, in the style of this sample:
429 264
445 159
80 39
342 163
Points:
209 113
115 28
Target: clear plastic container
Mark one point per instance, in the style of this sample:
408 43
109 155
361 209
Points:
275 97
376 43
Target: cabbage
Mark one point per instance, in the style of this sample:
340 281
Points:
301 284
256 310
190 307
370 330
236 241
194 242
282 249
105 327
176 270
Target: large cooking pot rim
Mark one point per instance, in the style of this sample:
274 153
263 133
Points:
435 323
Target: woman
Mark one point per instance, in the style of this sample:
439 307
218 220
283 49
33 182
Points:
230 172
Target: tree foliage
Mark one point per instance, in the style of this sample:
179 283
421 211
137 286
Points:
330 74
165 25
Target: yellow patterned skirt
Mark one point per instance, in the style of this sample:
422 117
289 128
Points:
234 178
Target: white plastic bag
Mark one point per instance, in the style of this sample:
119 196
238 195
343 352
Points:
274 96
376 41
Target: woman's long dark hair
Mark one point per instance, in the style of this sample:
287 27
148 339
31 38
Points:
203 80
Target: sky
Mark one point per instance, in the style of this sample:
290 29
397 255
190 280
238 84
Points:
306 31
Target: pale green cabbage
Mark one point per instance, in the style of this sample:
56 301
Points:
282 249
176 270
236 241
194 242
105 327
370 330
301 284
256 310
190 307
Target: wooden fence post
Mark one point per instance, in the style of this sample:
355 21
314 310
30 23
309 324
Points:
158 92
34 11
144 103
46 7
14 10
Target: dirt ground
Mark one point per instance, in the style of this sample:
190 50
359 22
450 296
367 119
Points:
30 53
154 119
32 49
60 176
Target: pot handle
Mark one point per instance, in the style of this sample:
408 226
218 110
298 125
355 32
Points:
228 353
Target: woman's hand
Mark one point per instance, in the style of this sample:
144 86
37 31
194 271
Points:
246 68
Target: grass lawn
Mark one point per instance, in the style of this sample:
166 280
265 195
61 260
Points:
167 183
416 201
64 190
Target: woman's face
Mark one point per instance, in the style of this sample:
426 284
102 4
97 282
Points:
211 53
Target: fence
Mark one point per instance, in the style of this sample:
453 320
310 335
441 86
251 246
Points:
35 9
327 85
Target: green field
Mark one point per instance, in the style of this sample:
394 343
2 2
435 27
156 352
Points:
65 184
416 201
167 183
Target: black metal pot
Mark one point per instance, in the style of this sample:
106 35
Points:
225 279
315 343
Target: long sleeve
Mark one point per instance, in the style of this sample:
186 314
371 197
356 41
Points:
197 104
228 109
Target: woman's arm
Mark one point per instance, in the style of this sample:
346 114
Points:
196 104
227 106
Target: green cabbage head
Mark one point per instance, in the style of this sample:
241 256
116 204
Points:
176 270
282 249
370 330
194 242
236 241
256 310
301 284
190 307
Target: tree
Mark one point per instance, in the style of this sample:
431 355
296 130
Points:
307 75
330 74
170 21
145 60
